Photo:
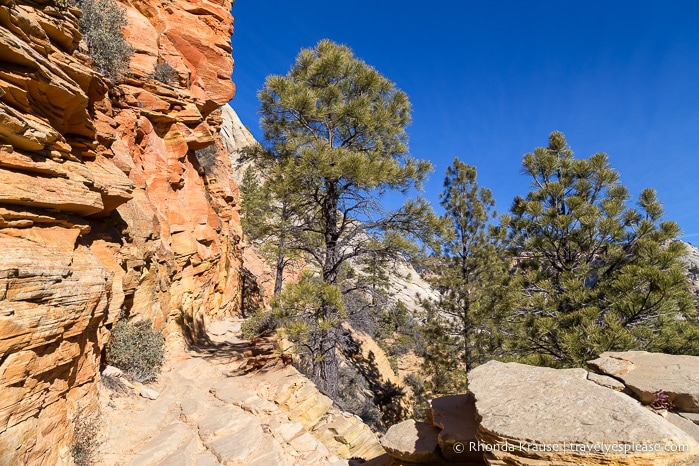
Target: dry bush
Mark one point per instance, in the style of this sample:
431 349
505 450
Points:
136 349
165 73
86 431
101 24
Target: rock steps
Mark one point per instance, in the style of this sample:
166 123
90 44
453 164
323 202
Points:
344 434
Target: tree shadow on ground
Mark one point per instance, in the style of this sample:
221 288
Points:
388 396
258 354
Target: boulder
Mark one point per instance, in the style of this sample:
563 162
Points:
676 375
413 441
111 371
538 415
149 393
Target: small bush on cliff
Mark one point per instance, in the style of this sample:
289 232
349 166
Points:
136 349
86 430
661 401
166 74
101 24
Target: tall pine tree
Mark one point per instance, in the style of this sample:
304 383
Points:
471 276
595 274
336 128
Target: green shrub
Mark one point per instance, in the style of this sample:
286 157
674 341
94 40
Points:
392 319
136 349
101 24
165 73
420 398
259 323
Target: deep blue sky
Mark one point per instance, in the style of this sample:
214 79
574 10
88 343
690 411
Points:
489 80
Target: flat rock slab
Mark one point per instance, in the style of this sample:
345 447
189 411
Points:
162 445
676 375
538 415
606 381
694 417
206 459
685 424
413 441
220 421
228 392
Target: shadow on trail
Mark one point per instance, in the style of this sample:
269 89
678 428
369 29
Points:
259 354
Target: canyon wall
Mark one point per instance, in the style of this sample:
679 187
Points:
115 200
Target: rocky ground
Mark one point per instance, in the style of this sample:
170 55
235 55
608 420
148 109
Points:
210 412
211 409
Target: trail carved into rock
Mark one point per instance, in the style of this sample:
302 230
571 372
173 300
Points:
210 413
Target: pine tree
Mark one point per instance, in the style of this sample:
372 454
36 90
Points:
336 128
267 214
595 274
471 277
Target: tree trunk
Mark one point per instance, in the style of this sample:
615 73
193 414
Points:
325 370
278 279
331 233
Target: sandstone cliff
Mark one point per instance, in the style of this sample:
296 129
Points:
113 200
691 261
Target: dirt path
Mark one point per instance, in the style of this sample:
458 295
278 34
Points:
205 416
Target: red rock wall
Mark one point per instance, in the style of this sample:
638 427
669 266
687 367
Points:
111 200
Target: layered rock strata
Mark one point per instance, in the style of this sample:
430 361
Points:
344 434
113 200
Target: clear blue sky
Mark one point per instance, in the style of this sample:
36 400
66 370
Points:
489 80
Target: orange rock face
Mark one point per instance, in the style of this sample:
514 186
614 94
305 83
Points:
111 203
